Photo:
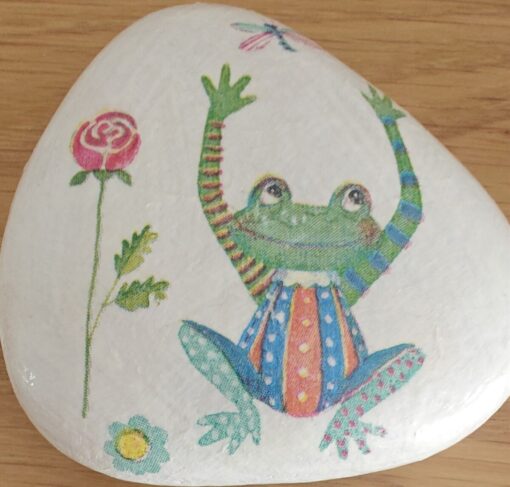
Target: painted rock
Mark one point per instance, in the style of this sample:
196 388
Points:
186 270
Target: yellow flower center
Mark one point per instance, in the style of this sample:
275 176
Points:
132 444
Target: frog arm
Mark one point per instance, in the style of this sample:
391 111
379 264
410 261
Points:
224 101
406 218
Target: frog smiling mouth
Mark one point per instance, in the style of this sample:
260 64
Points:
298 245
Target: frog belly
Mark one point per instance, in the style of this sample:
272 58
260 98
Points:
305 344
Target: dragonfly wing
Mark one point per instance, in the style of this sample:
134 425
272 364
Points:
249 27
256 42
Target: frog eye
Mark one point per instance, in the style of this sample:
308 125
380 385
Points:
272 192
352 198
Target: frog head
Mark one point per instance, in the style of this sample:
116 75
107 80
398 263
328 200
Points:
288 235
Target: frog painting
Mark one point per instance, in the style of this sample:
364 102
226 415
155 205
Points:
305 266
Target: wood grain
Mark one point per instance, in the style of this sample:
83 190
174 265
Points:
446 61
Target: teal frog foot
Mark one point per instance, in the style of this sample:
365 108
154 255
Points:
234 426
212 363
346 423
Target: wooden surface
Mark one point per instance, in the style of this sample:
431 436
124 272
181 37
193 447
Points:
447 61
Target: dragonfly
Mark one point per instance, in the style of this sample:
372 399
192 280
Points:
265 33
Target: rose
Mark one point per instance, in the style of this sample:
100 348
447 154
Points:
109 142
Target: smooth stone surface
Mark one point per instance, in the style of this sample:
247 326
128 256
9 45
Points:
140 108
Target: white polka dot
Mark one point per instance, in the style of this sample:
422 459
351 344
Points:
304 347
246 396
361 348
202 341
272 402
284 296
230 430
268 380
269 357
258 314
215 435
302 396
329 342
251 423
211 354
223 420
234 443
250 331
192 352
248 412
224 368
331 361
185 339
216 379
244 345
271 337
303 372
328 319
324 295
204 366
280 317
330 386
354 331
293 220
326 404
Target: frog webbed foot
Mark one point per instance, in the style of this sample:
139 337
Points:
227 368
341 430
232 426
384 381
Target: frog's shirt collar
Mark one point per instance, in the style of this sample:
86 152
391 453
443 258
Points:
306 278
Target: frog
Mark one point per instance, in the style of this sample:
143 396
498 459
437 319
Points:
302 352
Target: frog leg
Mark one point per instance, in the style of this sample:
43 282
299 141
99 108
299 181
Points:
223 364
365 393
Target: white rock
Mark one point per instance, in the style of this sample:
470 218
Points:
151 377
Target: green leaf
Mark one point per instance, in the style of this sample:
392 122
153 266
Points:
79 178
124 176
138 294
102 175
132 254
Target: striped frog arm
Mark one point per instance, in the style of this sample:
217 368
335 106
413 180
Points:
397 233
226 100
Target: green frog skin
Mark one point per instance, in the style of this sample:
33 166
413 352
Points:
305 266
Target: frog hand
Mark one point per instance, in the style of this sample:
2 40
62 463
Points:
232 426
226 99
383 107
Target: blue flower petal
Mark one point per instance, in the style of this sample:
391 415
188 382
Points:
140 422
115 428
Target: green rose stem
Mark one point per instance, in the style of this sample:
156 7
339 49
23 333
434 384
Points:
106 302
92 287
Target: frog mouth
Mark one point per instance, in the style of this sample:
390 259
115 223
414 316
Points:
286 243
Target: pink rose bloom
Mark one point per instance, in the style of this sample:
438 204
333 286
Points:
110 142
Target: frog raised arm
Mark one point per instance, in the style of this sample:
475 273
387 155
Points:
305 266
